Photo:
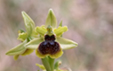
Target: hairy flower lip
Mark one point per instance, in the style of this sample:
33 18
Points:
49 46
49 49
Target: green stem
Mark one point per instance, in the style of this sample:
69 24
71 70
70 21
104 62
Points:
51 61
46 64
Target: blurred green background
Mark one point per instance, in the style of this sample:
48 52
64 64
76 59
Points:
90 24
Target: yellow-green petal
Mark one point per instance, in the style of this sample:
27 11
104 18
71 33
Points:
29 23
27 52
60 30
18 49
33 44
51 19
66 43
41 30
16 57
22 36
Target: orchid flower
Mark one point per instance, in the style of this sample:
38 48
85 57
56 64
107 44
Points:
25 37
46 40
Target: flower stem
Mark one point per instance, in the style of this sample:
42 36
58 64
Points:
46 64
51 62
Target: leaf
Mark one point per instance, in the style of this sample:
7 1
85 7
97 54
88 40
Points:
29 23
51 19
18 49
65 43
41 66
60 30
33 44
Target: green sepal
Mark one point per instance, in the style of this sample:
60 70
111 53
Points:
33 44
51 19
66 43
19 49
29 23
41 30
22 36
16 57
40 66
27 52
60 30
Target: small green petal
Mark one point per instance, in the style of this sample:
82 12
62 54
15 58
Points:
33 44
51 19
16 57
17 50
57 55
41 66
27 52
41 30
22 36
60 30
65 43
29 23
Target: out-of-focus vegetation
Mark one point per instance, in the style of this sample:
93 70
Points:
90 24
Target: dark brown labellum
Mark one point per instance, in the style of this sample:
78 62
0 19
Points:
49 46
